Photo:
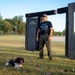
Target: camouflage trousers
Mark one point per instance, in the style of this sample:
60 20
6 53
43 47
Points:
44 39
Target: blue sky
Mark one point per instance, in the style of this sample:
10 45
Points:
11 8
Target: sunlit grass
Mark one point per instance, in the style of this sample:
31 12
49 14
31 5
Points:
12 41
60 65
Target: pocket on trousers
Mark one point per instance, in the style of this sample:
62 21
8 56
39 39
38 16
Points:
46 37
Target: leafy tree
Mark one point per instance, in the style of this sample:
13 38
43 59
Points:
64 31
7 27
58 33
1 18
15 24
21 28
1 22
18 21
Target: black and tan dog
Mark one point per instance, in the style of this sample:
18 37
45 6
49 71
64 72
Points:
17 63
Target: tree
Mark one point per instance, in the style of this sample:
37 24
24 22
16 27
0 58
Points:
15 20
58 33
1 18
15 24
64 31
21 28
18 21
7 27
21 25
1 22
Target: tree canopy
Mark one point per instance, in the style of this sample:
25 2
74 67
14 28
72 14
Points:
17 26
14 25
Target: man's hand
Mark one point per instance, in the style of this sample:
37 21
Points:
51 32
50 38
37 39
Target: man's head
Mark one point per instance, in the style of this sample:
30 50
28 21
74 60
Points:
44 17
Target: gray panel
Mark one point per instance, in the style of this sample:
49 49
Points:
31 33
71 35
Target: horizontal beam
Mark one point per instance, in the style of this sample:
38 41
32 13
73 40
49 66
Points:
62 10
38 14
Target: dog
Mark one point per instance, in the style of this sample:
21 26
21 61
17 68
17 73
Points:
16 63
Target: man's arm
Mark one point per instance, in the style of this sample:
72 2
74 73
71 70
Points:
37 35
51 32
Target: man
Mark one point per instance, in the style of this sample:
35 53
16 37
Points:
44 35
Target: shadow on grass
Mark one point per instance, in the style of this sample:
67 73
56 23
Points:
60 56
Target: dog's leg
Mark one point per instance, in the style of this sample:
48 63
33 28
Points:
16 66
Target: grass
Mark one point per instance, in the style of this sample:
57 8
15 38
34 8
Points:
11 41
11 47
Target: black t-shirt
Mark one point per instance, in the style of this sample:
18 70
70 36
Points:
45 27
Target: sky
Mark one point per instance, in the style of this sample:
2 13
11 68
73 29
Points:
11 8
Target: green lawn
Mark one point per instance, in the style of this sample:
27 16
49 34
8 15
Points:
11 47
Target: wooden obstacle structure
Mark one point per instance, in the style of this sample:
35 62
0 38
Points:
33 20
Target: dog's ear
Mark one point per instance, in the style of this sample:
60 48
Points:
22 59
17 60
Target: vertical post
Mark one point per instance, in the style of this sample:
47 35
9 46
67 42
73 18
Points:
66 36
26 34
71 35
